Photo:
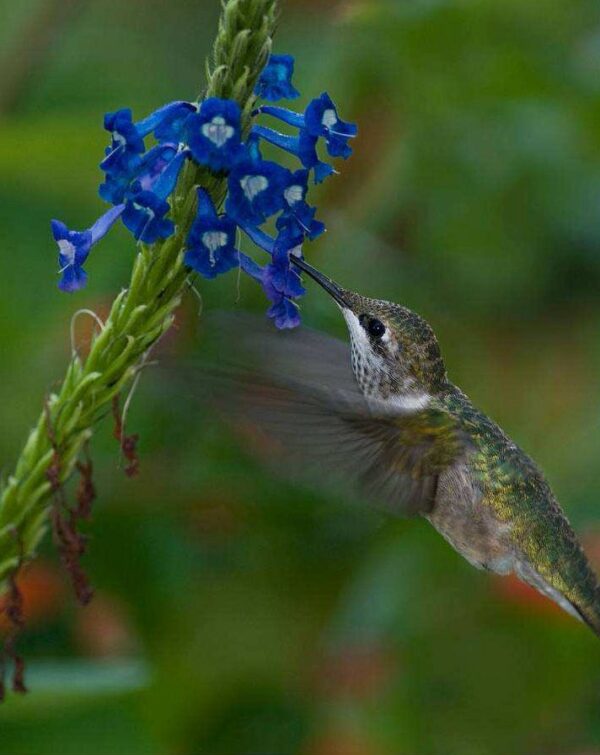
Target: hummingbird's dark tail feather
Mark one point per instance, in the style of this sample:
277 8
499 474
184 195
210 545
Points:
590 614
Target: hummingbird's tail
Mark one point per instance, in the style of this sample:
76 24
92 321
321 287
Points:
581 601
590 613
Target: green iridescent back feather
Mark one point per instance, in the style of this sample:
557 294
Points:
515 489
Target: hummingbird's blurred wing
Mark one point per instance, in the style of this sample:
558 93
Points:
297 391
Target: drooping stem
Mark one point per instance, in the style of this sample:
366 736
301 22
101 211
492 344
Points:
139 315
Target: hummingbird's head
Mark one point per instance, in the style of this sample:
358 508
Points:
394 351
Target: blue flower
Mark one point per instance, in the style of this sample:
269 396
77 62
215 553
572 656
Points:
144 216
275 82
255 191
154 164
211 241
127 142
168 122
298 217
118 180
285 313
164 183
141 173
304 147
213 134
74 247
322 119
279 279
282 283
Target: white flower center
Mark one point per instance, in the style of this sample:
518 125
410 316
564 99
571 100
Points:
213 240
67 249
253 185
297 251
218 131
329 118
293 194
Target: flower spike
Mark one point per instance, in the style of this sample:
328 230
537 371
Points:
139 182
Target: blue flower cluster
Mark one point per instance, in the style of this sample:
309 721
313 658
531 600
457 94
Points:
138 182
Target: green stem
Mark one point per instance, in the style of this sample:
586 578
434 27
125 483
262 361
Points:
139 315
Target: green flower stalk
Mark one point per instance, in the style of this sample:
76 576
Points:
139 315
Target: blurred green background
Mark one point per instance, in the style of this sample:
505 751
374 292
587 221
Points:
238 614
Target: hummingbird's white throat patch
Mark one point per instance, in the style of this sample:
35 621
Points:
372 373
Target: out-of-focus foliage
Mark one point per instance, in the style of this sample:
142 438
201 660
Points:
237 613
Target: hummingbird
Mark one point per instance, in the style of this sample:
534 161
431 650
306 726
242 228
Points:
383 416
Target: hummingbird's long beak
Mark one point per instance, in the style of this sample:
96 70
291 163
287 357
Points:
332 288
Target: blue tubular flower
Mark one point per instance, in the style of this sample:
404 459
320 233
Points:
123 157
154 163
282 280
282 283
259 237
165 183
298 217
304 147
279 279
145 170
144 216
211 241
168 122
127 141
255 191
275 82
74 247
284 312
118 180
291 117
145 210
213 134
322 120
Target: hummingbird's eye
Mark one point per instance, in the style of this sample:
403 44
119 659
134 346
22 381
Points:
375 328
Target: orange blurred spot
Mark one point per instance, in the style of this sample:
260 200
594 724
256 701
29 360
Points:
513 590
591 545
218 517
338 741
103 630
359 672
43 592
